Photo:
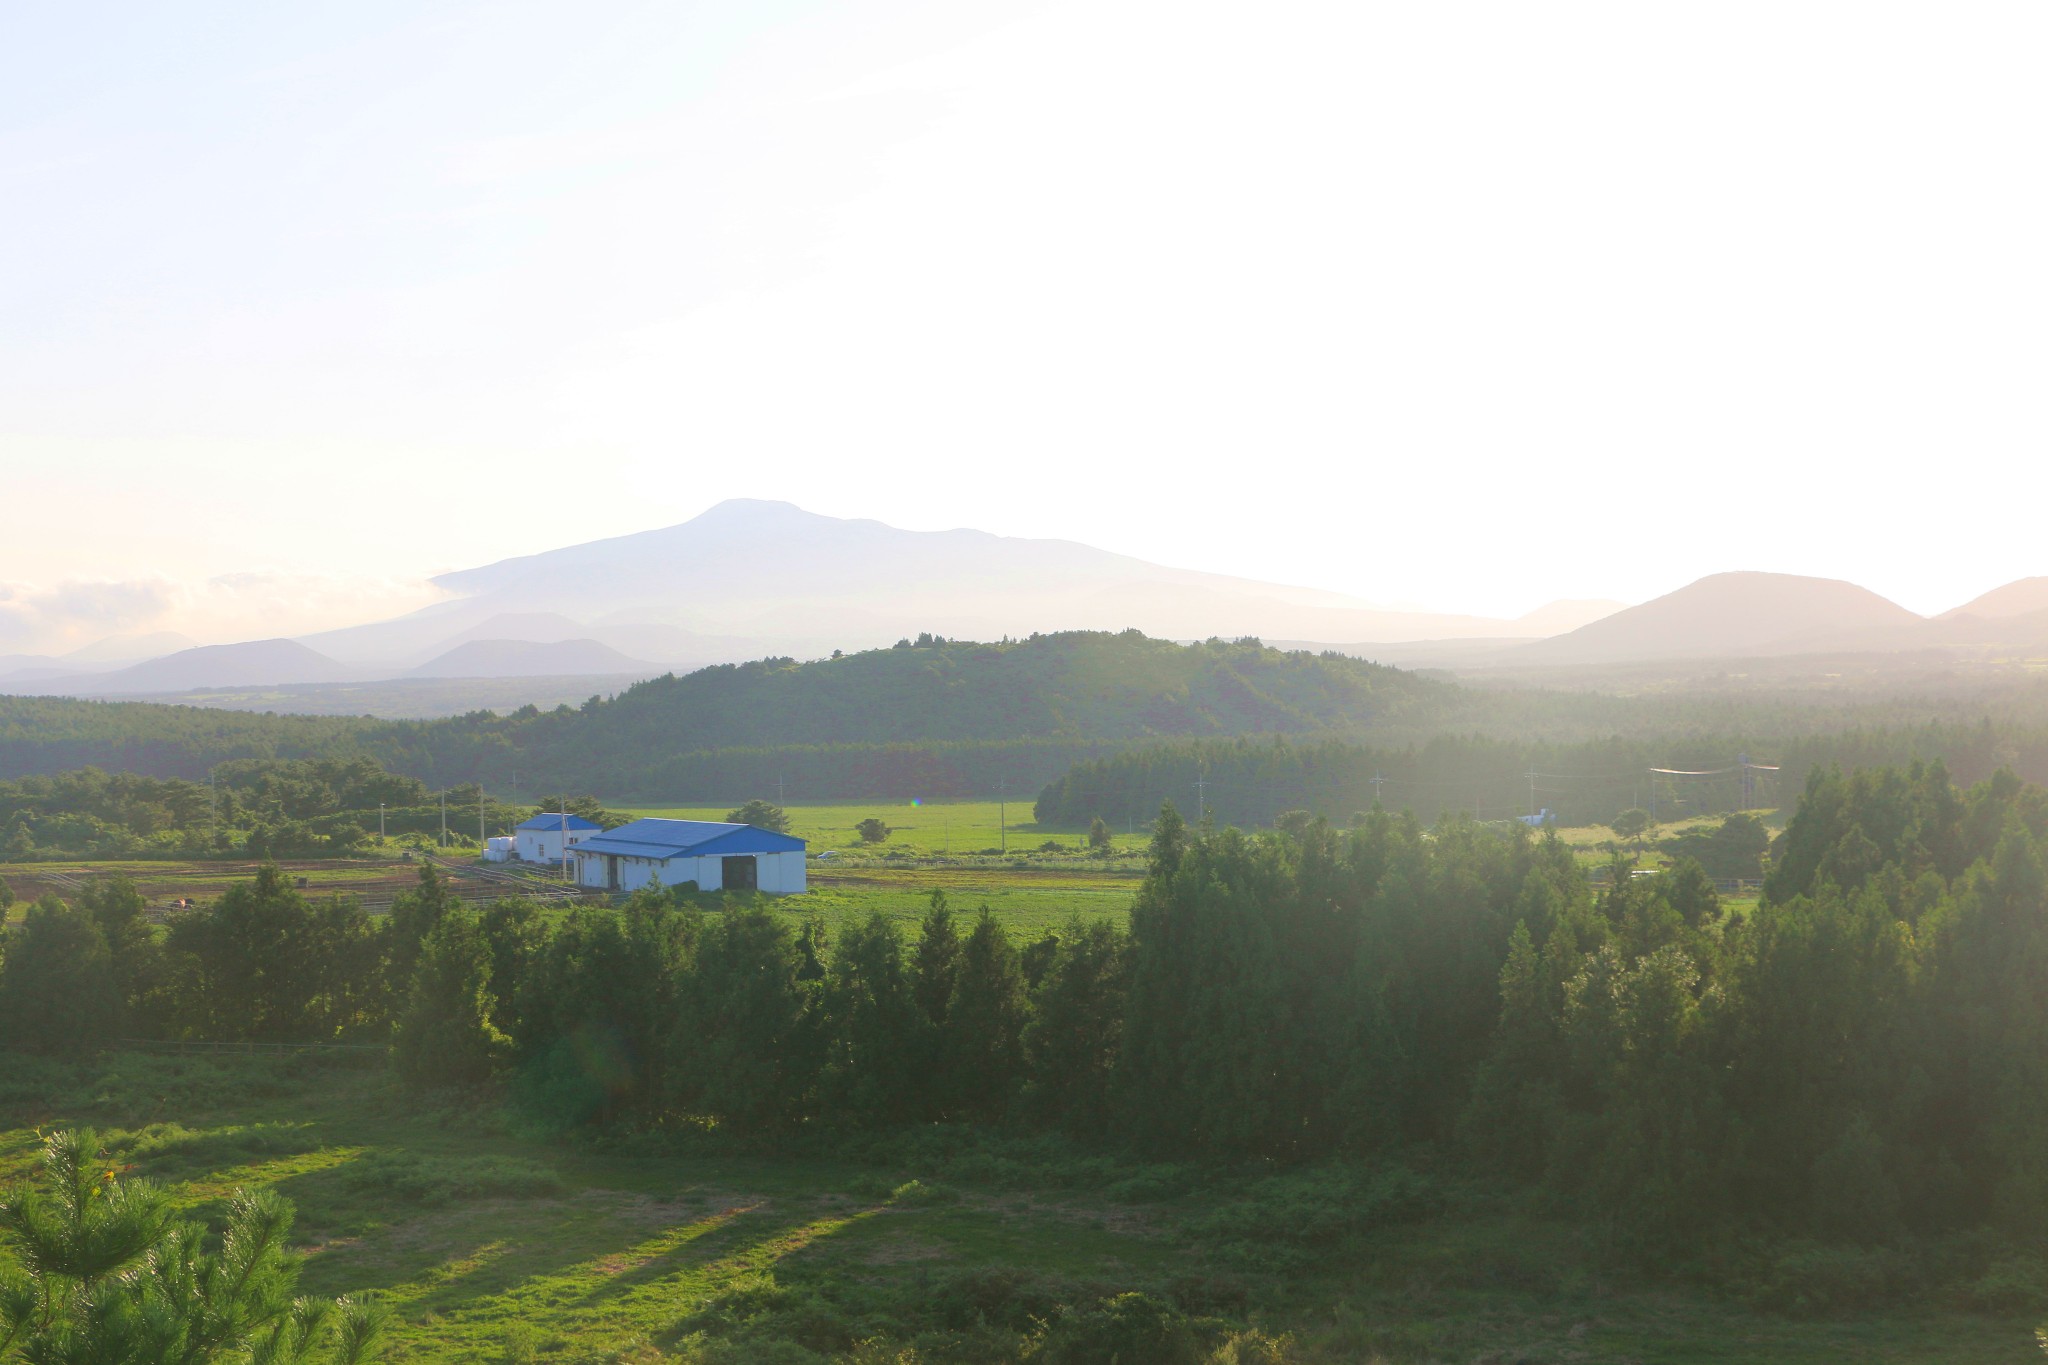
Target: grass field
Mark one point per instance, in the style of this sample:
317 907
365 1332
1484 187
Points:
1026 901
491 1247
935 828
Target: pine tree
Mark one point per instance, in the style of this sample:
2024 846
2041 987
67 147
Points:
414 915
879 1070
111 1275
746 1045
1076 1029
445 1037
57 986
984 1031
935 964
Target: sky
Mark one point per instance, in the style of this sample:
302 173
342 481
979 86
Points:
1463 306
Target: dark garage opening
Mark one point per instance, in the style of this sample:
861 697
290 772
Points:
739 873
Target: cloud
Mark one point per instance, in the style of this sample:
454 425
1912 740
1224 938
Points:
58 618
68 615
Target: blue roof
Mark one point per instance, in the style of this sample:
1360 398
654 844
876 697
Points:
656 838
553 820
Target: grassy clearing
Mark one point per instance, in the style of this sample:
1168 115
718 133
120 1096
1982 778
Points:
1027 903
492 1247
926 829
1593 845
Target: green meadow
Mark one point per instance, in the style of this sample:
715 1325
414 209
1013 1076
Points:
487 1244
923 829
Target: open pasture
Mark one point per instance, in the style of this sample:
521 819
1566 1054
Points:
488 1245
1027 901
923 829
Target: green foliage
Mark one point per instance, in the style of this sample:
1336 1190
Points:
1128 1327
585 805
872 830
110 1275
981 1044
263 963
58 988
446 1036
1734 848
1632 824
761 815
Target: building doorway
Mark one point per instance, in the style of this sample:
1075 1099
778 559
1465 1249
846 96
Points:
739 873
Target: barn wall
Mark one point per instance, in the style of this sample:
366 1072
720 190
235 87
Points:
781 874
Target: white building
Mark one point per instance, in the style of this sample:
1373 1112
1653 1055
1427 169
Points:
716 856
542 839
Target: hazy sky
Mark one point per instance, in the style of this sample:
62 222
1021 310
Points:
1461 305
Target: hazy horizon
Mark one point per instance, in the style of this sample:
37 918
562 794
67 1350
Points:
1464 311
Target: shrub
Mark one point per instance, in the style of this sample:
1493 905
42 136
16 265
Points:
872 830
1288 1220
999 1296
1129 1327
1817 1279
2013 1284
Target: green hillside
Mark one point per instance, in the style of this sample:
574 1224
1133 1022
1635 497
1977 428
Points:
936 716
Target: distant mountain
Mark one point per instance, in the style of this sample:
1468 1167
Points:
249 664
1555 618
1735 615
116 650
2022 597
529 659
31 665
750 578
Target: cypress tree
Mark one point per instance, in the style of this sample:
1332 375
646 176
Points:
445 1037
984 1030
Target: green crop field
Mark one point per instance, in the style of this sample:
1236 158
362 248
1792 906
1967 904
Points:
489 1246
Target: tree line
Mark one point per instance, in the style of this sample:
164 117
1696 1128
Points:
259 808
1861 1055
1252 781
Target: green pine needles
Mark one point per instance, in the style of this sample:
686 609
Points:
108 1275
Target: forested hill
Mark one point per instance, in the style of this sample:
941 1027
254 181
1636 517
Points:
1012 707
1026 707
1075 685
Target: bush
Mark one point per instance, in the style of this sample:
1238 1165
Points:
1129 1327
1287 1221
1817 1279
999 1296
872 830
2013 1284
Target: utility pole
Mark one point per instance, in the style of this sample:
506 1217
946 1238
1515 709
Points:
444 819
1201 798
481 841
1532 792
380 822
778 789
1002 814
565 838
1377 783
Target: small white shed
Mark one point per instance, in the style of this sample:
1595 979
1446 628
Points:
500 850
714 855
543 838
